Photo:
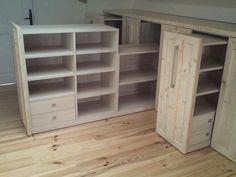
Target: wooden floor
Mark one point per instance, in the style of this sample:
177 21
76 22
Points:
127 147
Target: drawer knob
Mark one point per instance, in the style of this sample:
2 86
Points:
54 117
207 134
54 105
209 121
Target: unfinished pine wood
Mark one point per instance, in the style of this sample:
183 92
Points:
210 64
124 147
178 81
224 136
207 86
133 49
131 30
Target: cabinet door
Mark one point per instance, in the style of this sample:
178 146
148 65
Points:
130 30
224 132
180 60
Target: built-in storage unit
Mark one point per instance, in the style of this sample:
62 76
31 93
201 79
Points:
69 75
190 81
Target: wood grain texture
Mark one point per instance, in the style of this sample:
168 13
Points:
180 61
120 147
224 134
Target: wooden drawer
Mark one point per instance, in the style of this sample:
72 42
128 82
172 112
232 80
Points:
200 136
51 105
202 122
52 119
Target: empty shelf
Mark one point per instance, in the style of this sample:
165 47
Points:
211 40
47 51
210 64
142 101
48 72
93 67
137 76
93 89
93 108
132 49
206 86
203 106
46 91
93 48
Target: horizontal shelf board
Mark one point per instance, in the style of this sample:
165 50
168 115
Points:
206 86
211 40
93 49
141 100
93 108
46 91
210 64
203 106
93 89
93 67
42 52
79 28
137 76
48 72
132 49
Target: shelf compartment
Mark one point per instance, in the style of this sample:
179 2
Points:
210 40
95 63
210 64
96 107
137 97
95 85
49 68
51 88
134 49
48 45
137 76
205 105
207 86
99 42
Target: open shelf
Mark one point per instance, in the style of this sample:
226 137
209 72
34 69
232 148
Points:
52 51
92 89
47 91
48 45
210 64
133 49
209 40
95 107
47 72
129 102
93 48
137 76
203 106
93 67
96 42
95 84
207 86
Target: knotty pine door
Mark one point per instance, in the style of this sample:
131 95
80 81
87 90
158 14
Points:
180 60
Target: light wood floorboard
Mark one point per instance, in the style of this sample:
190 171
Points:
121 147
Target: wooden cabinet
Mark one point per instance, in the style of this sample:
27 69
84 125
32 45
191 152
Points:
189 88
224 136
131 30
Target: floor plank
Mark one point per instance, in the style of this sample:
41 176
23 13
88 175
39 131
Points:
120 147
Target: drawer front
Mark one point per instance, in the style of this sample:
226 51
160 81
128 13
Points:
201 136
39 107
53 118
202 122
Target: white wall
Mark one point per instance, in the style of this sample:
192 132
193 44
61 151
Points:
72 11
219 10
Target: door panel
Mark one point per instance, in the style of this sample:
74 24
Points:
224 133
130 30
180 62
10 10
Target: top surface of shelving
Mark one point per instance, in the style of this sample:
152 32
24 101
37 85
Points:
208 26
208 40
132 49
47 29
